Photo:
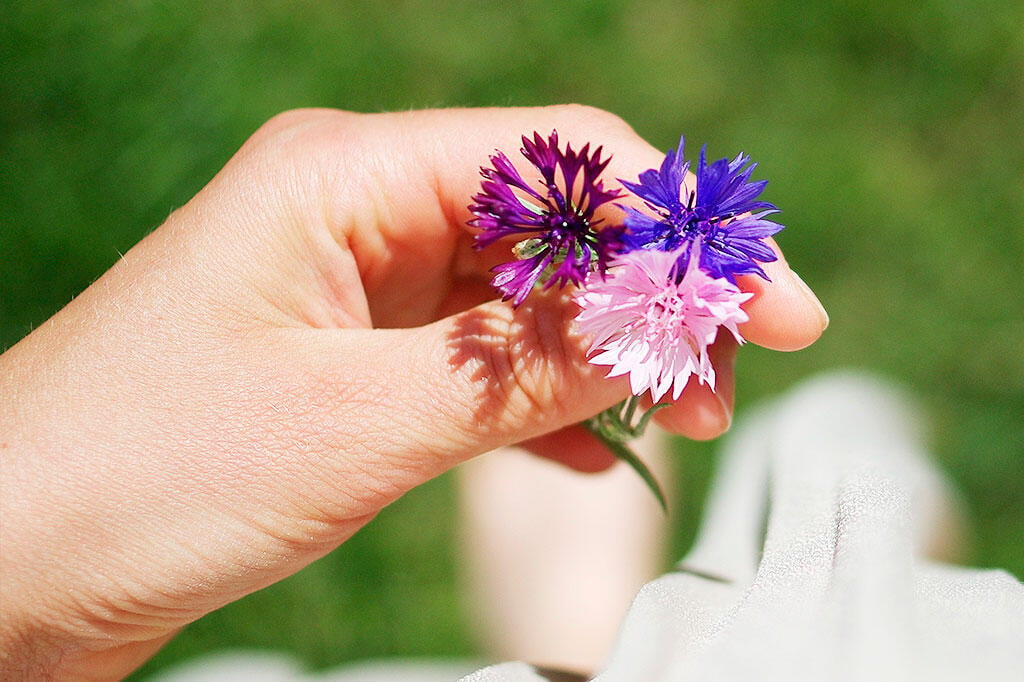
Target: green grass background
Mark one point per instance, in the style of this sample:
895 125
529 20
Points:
891 133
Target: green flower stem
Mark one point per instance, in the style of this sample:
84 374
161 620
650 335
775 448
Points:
615 428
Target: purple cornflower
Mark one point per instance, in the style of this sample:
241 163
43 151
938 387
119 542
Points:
721 213
558 240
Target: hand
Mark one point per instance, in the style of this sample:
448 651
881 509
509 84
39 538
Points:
307 339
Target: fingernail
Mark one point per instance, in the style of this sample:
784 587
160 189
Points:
812 298
726 421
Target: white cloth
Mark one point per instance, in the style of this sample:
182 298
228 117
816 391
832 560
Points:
816 561
271 666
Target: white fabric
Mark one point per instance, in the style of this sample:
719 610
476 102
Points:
814 563
265 666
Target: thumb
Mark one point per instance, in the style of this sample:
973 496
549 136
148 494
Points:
404 405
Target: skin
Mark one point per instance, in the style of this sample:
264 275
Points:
307 339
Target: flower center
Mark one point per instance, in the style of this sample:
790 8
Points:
668 317
570 222
665 312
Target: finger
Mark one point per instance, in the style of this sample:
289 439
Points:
703 413
574 447
520 373
396 187
401 406
386 410
784 313
420 170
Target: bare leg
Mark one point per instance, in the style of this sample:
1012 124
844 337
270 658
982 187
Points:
553 557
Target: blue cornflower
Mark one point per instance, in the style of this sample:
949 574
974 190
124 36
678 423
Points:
721 212
558 237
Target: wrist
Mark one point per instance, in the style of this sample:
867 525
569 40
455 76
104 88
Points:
28 649
38 641
46 629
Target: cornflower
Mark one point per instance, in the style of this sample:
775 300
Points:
721 214
558 236
655 290
654 323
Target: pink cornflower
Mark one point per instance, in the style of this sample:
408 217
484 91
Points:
655 324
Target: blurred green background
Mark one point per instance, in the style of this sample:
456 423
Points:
891 133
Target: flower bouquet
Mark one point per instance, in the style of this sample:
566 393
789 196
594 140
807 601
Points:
653 288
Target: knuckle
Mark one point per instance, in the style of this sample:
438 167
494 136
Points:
521 365
299 135
599 122
289 122
541 361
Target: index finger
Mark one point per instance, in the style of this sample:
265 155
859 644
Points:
784 313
